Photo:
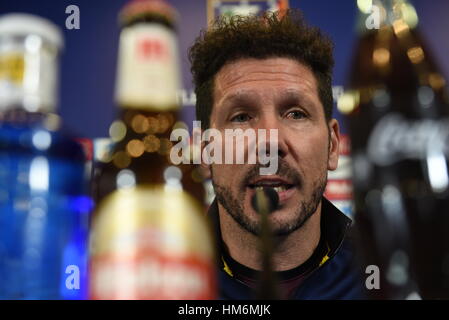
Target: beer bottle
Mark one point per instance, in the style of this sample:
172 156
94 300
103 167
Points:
150 238
397 108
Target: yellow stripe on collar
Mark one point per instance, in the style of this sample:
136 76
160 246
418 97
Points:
226 267
326 257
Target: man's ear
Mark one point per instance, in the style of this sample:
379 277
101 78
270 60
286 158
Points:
334 144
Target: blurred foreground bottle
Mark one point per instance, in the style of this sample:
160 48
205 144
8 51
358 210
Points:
150 238
43 207
397 107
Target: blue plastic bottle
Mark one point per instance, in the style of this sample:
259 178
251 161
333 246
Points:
43 204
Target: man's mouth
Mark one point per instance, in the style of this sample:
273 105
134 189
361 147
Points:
282 187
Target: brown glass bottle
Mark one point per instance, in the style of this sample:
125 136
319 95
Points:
398 111
149 239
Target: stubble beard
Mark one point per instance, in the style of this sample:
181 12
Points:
305 209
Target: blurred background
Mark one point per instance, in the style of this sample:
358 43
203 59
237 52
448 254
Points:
88 63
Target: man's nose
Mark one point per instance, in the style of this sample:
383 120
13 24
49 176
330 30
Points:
274 133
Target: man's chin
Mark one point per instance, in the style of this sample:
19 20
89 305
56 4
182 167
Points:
293 211
284 220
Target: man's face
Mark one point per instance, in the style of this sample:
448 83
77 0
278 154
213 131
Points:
282 94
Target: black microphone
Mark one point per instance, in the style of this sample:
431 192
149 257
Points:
264 202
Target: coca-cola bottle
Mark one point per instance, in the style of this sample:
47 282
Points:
397 108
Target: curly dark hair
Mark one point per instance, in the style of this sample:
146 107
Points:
273 35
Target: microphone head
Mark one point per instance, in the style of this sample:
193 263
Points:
265 200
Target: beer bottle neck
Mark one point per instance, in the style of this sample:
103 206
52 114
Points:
148 68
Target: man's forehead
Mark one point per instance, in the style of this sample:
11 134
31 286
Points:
240 77
276 69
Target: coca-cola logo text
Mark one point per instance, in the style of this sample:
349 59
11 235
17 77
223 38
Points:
395 138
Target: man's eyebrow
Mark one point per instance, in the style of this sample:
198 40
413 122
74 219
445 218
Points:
290 95
239 98
247 99
294 97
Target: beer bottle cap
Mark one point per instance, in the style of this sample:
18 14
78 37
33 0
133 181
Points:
137 8
22 24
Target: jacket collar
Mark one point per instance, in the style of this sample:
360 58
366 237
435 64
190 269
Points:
334 227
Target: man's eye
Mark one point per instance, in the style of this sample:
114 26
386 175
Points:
296 114
242 117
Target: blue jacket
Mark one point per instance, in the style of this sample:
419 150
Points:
337 278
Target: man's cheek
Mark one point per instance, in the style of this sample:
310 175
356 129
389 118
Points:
222 172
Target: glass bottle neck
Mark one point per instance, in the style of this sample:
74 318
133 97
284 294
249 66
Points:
28 74
148 68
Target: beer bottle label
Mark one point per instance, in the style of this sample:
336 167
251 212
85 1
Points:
151 243
148 76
